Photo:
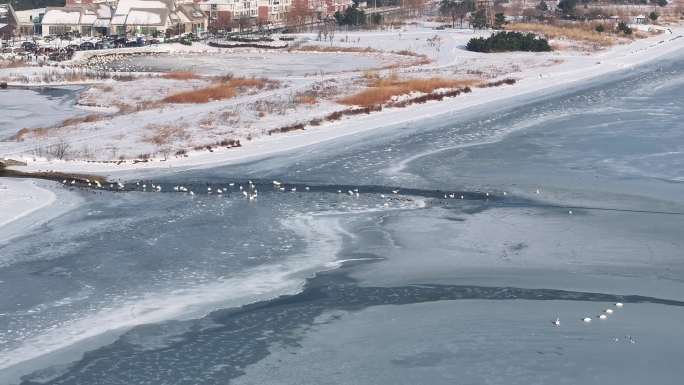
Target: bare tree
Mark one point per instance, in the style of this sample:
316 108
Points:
58 150
299 13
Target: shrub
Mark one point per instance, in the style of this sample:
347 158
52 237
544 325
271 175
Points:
509 41
624 28
600 28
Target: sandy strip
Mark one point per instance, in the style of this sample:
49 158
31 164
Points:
571 72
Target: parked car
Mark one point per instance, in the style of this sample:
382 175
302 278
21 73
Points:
132 43
86 46
119 41
105 44
28 46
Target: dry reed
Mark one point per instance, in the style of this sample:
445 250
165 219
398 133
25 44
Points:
383 90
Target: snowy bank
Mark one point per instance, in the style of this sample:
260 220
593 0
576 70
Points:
27 203
570 68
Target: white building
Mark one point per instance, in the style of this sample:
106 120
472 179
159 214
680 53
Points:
273 11
151 17
58 21
87 20
223 13
29 21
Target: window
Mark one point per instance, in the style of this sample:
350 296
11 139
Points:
58 29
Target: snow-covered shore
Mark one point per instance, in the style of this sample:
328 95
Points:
579 67
26 203
20 198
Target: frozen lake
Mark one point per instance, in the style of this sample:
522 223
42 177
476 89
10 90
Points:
145 288
262 64
35 107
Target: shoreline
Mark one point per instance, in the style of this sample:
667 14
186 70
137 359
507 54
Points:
613 60
18 195
31 203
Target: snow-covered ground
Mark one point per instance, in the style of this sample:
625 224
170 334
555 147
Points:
252 115
26 204
19 198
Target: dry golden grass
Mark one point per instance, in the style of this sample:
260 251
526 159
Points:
381 91
318 48
405 52
248 83
82 119
43 131
370 75
13 64
164 134
181 75
25 132
581 32
224 89
203 95
305 99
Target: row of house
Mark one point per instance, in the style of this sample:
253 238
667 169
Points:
155 17
147 17
222 13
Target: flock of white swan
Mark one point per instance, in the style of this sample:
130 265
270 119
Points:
250 191
603 316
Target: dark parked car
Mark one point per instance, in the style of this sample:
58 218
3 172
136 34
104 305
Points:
104 44
86 46
28 46
73 47
119 42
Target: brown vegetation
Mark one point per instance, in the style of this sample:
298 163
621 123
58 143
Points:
318 48
24 132
90 118
383 90
69 76
181 75
580 32
224 89
203 95
43 131
305 99
13 63
164 134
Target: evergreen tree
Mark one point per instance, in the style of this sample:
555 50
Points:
479 19
509 41
499 20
